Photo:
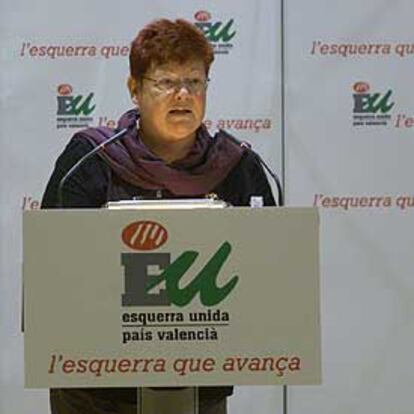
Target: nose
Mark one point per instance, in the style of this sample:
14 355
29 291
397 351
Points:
182 92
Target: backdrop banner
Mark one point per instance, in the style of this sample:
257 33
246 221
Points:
341 127
349 146
64 67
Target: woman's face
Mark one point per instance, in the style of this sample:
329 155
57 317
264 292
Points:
171 99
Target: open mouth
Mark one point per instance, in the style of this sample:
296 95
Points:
180 112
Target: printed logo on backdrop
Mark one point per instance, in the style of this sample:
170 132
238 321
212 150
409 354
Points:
371 108
152 279
220 33
74 110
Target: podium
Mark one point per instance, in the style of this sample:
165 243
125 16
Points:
171 298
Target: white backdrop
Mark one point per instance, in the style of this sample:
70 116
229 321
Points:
84 45
341 61
367 261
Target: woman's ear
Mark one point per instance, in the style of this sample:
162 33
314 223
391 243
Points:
133 89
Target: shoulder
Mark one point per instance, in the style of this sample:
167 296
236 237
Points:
245 180
247 171
85 187
246 159
78 146
81 141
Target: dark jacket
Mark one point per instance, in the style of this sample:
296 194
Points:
93 184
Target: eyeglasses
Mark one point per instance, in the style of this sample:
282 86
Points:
168 85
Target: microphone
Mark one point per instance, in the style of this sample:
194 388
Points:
244 144
95 150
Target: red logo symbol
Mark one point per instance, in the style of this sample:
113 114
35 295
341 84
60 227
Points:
144 235
361 87
64 89
202 16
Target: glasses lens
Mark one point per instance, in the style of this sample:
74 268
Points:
196 85
169 85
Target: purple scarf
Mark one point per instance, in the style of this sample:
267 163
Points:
206 165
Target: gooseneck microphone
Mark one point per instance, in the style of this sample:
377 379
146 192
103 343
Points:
244 144
95 150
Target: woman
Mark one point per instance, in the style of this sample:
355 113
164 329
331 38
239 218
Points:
167 151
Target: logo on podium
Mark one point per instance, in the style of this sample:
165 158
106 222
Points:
140 280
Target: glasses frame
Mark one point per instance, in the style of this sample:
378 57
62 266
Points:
179 83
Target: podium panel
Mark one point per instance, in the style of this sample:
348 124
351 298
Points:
171 298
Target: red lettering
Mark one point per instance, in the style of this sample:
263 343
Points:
124 51
33 51
208 365
68 366
326 202
124 365
81 366
324 49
